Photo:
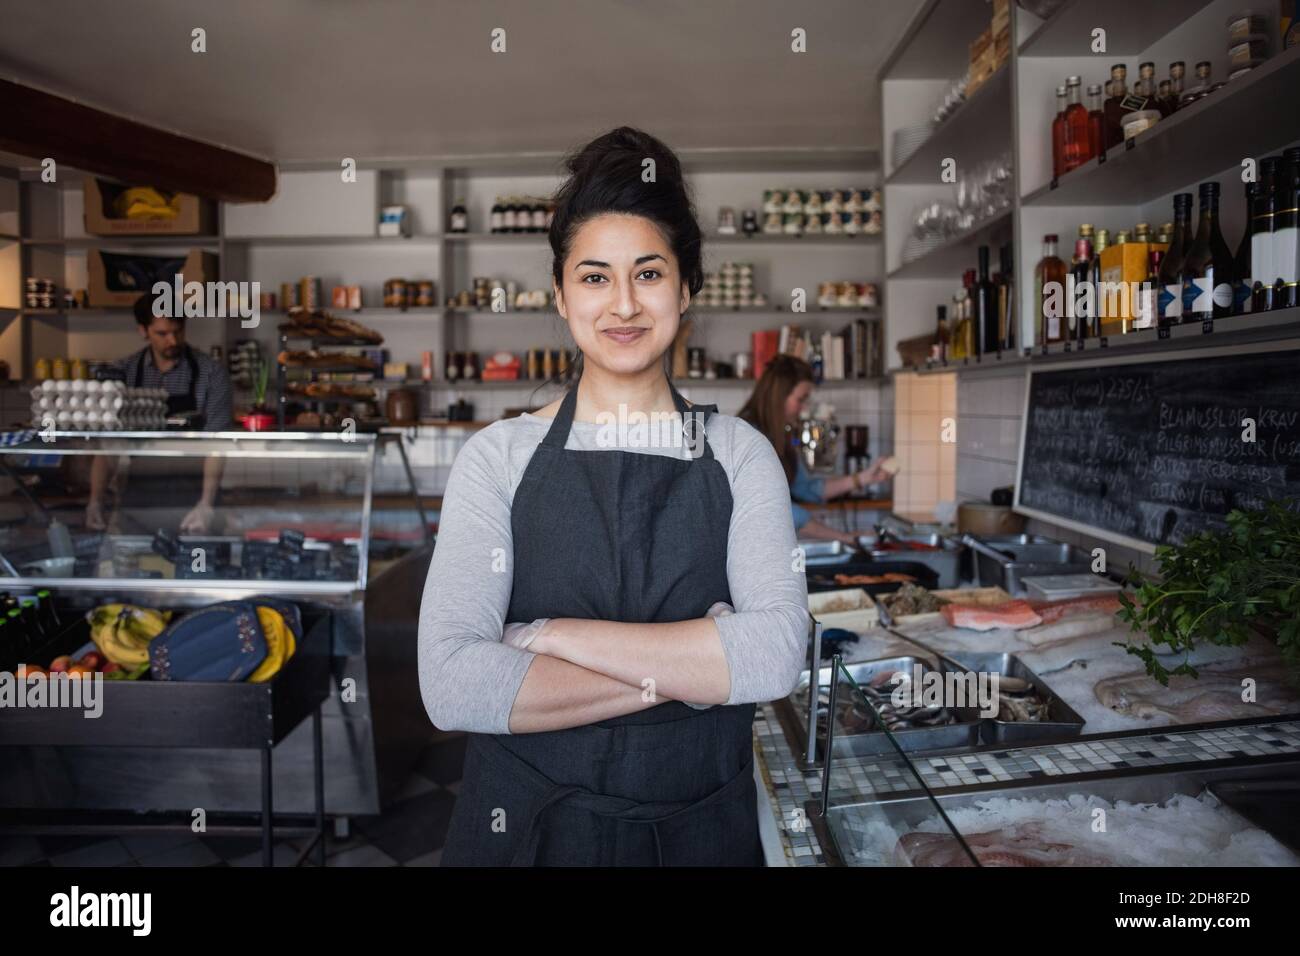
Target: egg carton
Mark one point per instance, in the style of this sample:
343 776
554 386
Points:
79 405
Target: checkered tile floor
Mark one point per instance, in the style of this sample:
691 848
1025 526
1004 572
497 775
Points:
410 833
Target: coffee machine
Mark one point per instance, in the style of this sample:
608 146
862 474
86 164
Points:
856 440
817 436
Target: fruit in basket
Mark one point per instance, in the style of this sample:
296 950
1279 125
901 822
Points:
92 659
112 667
79 670
60 664
122 632
280 644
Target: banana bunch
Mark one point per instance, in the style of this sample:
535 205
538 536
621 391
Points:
280 644
122 632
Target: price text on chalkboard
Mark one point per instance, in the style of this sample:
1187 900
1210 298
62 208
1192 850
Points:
1159 450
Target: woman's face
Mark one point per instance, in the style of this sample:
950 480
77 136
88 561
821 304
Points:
797 401
622 293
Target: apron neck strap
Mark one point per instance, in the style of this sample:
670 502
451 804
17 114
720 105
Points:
693 418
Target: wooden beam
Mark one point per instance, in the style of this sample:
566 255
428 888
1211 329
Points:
40 125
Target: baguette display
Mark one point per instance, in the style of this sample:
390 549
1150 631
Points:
331 390
318 323
325 360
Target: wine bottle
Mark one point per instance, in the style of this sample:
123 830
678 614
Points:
1006 297
1261 212
1243 285
1286 219
49 612
1094 276
1145 315
1207 267
1049 292
1177 70
986 308
1171 268
1080 314
940 351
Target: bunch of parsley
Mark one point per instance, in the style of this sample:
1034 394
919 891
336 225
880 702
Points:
1220 586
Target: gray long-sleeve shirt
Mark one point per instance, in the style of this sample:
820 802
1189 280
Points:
469 678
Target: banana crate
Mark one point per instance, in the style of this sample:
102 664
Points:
145 712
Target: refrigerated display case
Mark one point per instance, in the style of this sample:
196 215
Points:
295 518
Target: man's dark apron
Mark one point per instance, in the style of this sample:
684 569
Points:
157 488
616 536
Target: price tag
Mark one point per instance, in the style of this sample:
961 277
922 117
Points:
1105 342
1207 326
1162 332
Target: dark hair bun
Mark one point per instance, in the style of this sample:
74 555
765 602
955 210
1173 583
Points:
607 176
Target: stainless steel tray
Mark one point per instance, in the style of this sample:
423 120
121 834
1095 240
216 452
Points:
1063 722
1025 555
903 814
946 562
821 553
963 733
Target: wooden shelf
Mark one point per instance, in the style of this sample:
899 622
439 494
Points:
1244 118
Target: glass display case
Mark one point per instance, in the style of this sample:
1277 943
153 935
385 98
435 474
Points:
122 510
176 521
875 810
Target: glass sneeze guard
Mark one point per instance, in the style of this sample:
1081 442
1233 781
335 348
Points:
291 511
875 807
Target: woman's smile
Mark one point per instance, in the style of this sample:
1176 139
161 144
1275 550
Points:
626 334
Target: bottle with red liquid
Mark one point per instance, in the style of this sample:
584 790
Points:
1096 122
1074 149
1058 134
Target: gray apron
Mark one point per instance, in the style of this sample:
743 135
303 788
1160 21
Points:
159 492
615 536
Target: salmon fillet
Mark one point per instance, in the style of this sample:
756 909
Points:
1053 611
1012 615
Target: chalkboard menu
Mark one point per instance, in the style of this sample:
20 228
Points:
1156 451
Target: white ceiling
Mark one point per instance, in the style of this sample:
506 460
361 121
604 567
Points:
313 80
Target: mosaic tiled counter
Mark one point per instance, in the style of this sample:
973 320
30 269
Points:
789 788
